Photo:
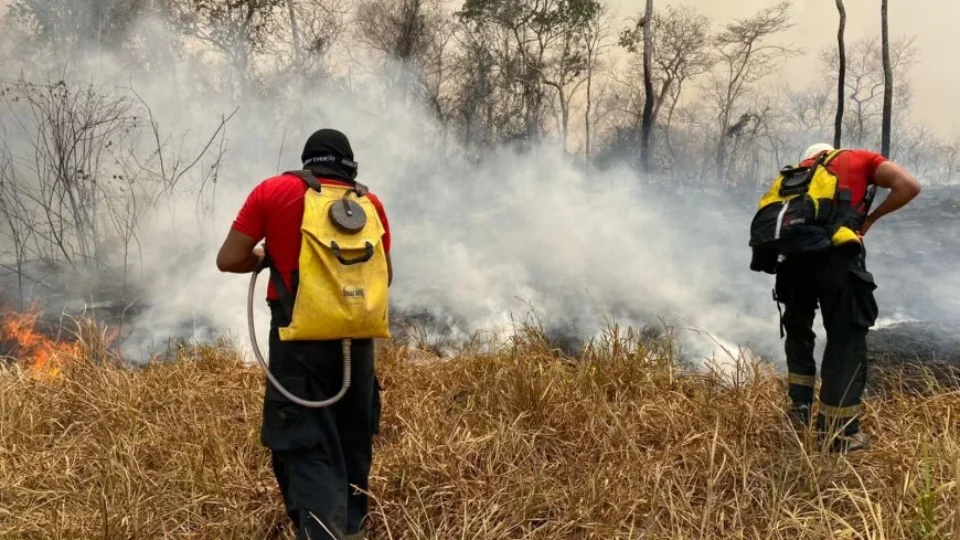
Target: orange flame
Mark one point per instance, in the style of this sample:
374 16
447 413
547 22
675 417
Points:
42 356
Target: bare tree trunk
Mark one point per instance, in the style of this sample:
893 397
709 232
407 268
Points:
645 126
887 84
594 44
565 118
720 159
842 76
589 110
295 29
668 125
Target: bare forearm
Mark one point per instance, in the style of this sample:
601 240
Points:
903 188
239 254
246 266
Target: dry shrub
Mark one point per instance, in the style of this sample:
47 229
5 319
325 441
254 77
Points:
622 442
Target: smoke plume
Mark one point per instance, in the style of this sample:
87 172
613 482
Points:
482 242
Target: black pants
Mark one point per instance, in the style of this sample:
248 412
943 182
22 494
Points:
839 282
319 454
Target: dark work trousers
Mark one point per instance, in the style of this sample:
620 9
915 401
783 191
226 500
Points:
320 454
839 283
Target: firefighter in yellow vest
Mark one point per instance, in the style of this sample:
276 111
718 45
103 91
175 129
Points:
808 231
328 250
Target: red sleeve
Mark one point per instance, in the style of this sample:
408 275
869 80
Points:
871 162
383 219
251 220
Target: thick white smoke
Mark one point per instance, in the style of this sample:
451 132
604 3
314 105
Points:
488 241
483 242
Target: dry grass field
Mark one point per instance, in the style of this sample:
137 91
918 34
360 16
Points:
621 442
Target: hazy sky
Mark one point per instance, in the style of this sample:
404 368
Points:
934 23
935 73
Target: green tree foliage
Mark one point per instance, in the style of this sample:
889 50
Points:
538 44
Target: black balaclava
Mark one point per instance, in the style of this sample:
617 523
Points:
328 154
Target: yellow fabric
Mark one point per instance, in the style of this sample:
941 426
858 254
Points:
831 155
772 195
802 380
844 235
334 300
840 412
823 187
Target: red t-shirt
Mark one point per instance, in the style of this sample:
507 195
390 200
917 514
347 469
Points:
274 210
855 170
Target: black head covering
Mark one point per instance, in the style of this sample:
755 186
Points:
328 154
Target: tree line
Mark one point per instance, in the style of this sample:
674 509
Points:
668 90
692 102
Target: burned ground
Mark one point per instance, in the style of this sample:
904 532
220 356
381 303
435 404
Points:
913 255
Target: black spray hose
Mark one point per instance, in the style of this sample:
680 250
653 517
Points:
276 384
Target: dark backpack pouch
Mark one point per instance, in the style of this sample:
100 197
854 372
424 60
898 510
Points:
789 226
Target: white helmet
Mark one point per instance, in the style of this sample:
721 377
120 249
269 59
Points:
815 149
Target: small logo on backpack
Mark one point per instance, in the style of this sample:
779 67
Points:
354 294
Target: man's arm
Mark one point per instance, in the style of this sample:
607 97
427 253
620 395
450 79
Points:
239 254
903 188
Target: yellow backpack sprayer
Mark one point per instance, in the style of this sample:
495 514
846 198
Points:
342 292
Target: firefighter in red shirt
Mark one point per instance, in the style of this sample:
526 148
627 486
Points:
838 282
317 453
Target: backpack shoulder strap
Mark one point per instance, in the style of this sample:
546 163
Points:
308 177
283 293
360 189
311 180
827 158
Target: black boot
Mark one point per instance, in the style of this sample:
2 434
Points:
849 443
799 415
